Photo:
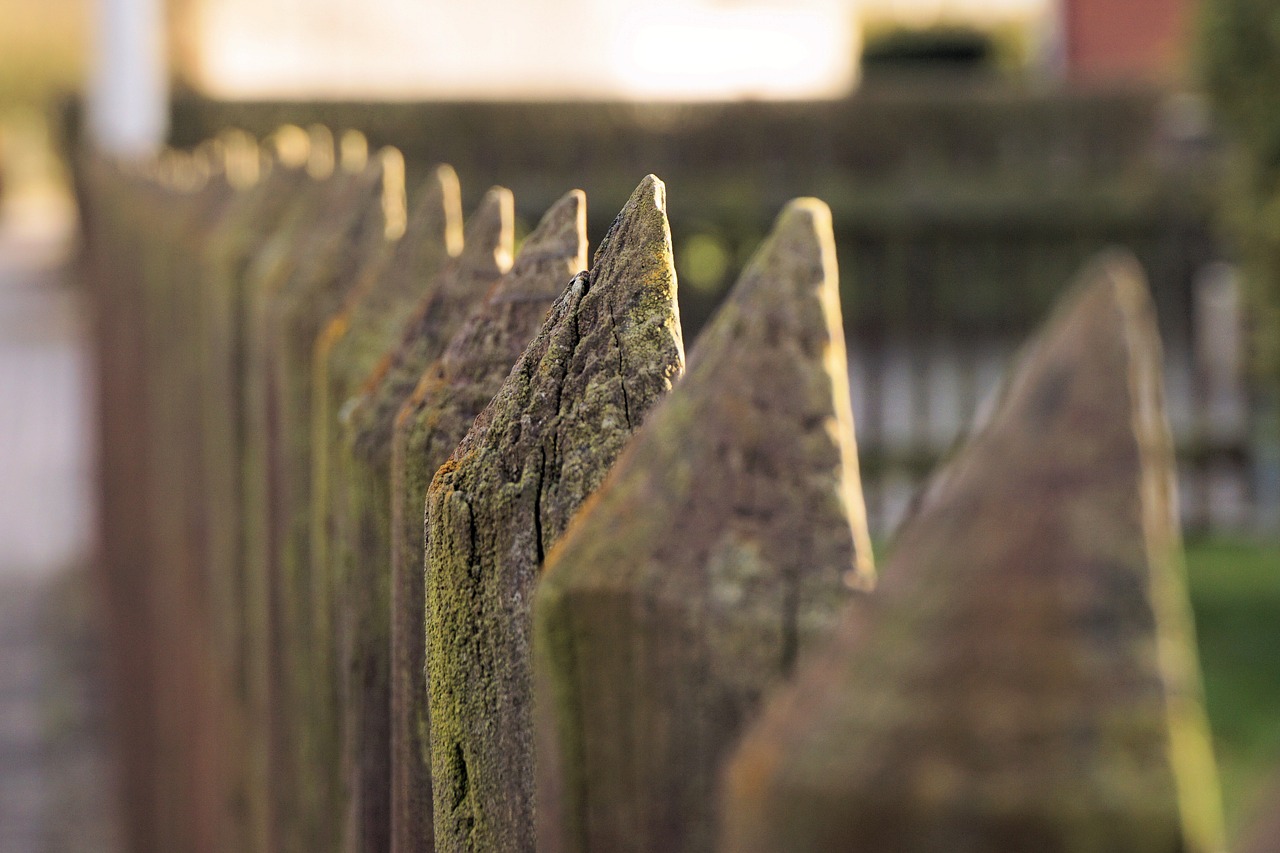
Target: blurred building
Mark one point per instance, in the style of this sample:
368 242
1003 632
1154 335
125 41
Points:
1128 41
497 49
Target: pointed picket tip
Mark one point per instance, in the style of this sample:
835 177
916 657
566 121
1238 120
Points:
353 150
609 349
800 243
291 145
716 555
490 234
644 215
561 231
440 209
642 220
1025 676
639 240
434 225
633 277
321 156
794 278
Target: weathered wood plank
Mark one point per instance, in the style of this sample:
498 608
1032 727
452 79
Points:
353 240
112 246
610 349
317 202
352 344
721 547
1025 677
232 247
364 580
452 392
178 223
348 347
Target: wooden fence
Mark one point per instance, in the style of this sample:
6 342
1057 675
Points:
333 416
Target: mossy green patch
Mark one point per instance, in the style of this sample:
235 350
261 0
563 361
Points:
609 350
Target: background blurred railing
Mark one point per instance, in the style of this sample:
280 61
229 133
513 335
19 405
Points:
960 212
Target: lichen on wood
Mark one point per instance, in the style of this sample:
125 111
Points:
719 550
362 558
352 342
323 206
1025 676
610 349
231 248
452 392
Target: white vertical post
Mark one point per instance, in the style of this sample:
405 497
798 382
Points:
128 105
1051 41
1220 352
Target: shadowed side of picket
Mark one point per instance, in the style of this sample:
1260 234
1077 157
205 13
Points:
609 350
318 200
1025 677
232 246
720 548
452 392
364 543
174 209
352 342
354 245
182 572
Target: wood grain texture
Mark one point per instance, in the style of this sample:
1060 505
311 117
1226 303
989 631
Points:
364 542
720 548
610 349
451 393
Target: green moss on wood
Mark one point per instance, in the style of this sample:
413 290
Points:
609 351
362 569
720 547
451 393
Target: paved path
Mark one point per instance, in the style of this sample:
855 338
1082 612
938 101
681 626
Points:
54 788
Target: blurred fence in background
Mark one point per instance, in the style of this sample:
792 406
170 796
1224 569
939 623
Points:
960 213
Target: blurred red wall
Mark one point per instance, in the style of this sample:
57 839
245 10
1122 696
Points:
1126 40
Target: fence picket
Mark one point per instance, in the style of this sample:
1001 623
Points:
722 545
452 392
343 440
609 350
1024 678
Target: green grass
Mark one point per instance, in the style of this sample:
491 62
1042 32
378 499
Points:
1235 592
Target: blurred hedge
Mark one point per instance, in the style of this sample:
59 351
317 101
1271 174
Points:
1240 60
962 205
936 49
